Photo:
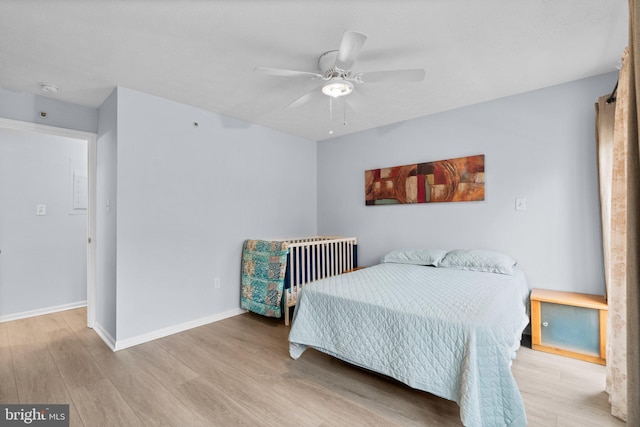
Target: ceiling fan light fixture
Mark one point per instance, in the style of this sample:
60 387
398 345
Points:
337 88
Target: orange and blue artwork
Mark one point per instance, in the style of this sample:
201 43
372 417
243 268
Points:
453 180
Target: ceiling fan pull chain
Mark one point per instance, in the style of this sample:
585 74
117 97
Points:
330 115
330 110
344 112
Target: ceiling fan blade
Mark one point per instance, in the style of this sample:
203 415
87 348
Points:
302 100
349 48
286 73
416 75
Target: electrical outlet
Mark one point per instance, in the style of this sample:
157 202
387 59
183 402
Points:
41 210
216 283
521 204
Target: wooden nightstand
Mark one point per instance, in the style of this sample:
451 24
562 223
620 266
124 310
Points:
353 269
569 324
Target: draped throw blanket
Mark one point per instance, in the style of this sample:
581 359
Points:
263 269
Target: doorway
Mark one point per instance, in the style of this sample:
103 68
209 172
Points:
27 211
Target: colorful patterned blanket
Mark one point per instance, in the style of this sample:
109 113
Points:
263 269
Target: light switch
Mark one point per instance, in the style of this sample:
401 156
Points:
41 210
521 204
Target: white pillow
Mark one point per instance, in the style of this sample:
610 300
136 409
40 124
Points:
479 260
415 256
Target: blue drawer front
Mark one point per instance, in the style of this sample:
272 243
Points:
570 328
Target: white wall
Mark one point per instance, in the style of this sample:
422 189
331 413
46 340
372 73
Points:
187 198
43 262
539 145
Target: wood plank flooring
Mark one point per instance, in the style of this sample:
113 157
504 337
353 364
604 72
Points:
238 372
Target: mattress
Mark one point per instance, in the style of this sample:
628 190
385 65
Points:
452 333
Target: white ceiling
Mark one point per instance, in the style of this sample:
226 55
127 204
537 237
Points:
203 53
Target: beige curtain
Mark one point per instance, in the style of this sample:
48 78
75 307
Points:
614 256
633 220
619 174
613 207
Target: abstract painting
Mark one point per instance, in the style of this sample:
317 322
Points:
454 180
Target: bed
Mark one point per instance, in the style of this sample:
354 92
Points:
448 323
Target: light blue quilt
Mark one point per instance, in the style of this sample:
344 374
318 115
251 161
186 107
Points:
449 332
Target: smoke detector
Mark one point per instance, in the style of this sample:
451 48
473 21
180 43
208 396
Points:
48 87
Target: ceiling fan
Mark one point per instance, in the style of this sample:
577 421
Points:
336 75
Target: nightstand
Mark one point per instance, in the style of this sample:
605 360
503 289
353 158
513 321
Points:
569 324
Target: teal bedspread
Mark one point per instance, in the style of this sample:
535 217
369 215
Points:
263 270
449 332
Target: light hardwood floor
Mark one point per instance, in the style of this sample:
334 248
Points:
238 372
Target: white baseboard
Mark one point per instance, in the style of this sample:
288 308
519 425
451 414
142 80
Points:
106 336
41 311
129 342
160 333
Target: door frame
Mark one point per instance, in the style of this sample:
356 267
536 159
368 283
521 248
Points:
92 165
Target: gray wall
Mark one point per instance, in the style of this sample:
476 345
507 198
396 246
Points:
183 198
106 226
43 262
187 198
26 107
538 145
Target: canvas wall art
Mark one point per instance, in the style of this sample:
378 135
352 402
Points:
453 180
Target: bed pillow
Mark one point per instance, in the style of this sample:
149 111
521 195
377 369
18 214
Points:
479 260
415 256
